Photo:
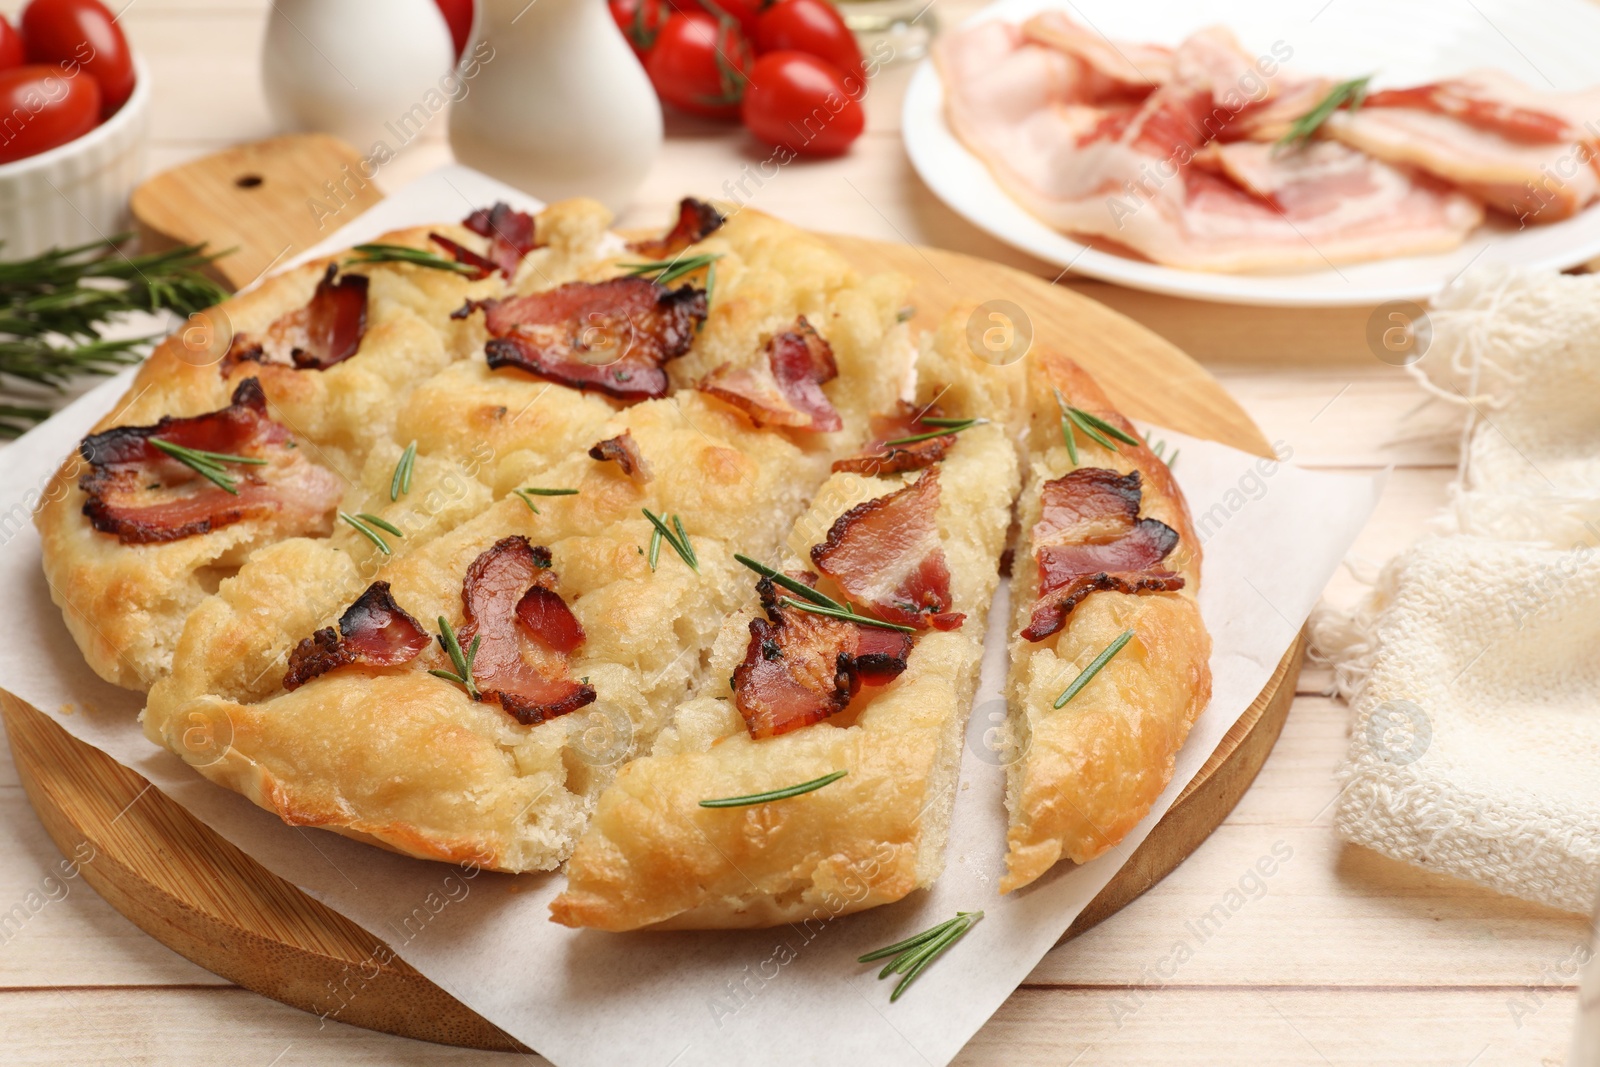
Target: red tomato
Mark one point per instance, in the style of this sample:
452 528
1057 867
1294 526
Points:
47 109
640 22
812 26
699 65
458 16
745 12
12 53
802 103
81 33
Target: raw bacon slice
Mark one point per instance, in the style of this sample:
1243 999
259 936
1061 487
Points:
510 232
1088 538
614 336
879 458
788 391
697 220
325 332
483 265
801 668
374 630
886 554
144 496
1127 67
624 451
502 607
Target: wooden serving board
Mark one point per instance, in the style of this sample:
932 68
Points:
201 896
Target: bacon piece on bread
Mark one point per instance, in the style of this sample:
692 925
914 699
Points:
886 554
482 265
324 333
525 632
614 336
788 390
374 630
623 450
144 496
510 232
879 457
697 220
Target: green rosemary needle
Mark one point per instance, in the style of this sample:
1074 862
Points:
209 465
950 426
913 955
678 540
417 257
667 271
359 524
798 587
1352 92
1094 668
462 660
655 549
776 794
401 482
844 615
527 495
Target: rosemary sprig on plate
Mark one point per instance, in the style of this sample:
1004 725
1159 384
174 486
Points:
847 614
401 482
527 495
678 539
912 956
949 426
667 271
1352 93
462 660
417 257
364 522
1094 668
775 794
209 465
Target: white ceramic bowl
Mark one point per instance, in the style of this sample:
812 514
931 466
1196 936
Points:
77 192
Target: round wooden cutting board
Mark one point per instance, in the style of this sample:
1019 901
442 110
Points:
201 896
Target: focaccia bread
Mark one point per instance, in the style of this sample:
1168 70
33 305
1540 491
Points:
1106 551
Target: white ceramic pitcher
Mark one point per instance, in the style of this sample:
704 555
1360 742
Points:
561 107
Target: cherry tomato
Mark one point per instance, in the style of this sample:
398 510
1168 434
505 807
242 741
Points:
699 65
812 26
458 16
640 22
12 52
47 109
802 103
81 33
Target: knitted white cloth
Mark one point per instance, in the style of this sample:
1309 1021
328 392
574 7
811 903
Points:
1473 667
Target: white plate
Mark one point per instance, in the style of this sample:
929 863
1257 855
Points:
1551 45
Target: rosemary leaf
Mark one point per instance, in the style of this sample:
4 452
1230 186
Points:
207 464
655 549
462 660
401 482
801 588
951 426
1094 668
911 942
1352 92
417 257
1090 431
683 539
845 615
776 794
667 271
368 532
933 952
684 550
913 955
1173 459
1071 439
1107 428
382 524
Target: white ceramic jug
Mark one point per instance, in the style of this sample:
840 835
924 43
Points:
368 71
560 107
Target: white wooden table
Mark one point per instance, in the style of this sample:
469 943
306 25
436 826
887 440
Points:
1347 957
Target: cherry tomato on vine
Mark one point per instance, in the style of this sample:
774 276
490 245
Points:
458 16
82 33
640 22
745 12
812 26
52 108
12 52
802 103
699 65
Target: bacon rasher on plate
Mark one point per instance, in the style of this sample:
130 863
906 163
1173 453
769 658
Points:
696 221
374 631
143 495
787 391
614 336
327 331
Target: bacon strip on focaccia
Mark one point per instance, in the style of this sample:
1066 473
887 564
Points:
326 332
878 457
1089 538
144 496
510 232
374 630
886 554
482 265
508 595
788 390
623 450
614 336
800 668
697 220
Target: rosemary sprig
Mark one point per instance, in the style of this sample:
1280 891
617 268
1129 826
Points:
527 495
677 539
417 257
913 955
950 426
401 482
363 523
776 794
1093 427
1159 448
1094 668
209 465
462 660
655 549
667 271
1352 92
844 615
798 587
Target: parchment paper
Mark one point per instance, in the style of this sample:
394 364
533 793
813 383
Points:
792 995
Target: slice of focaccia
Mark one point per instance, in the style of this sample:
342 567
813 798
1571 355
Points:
1107 562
